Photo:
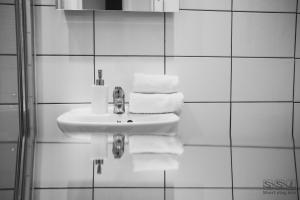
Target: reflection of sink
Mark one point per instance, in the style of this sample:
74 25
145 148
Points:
81 122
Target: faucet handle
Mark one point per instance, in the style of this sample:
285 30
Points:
118 92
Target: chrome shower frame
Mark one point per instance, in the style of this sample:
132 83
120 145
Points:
26 102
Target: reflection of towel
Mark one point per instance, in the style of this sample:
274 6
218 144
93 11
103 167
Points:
144 83
155 144
155 103
154 162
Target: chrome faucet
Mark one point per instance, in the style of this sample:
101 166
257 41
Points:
119 100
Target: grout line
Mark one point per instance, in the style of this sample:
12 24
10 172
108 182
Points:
7 54
165 71
6 189
59 103
168 56
188 102
9 142
200 10
165 186
94 78
238 146
125 187
238 102
9 104
61 142
240 11
94 48
119 55
7 4
46 5
165 59
293 110
230 112
186 145
93 181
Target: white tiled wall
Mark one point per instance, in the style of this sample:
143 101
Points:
8 162
211 36
196 194
8 30
206 4
196 45
202 167
263 34
252 166
61 194
198 77
126 34
8 79
265 5
262 124
131 193
262 79
9 119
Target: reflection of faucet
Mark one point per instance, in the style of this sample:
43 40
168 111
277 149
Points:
118 145
119 100
99 163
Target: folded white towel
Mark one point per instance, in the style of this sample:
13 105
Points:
154 162
155 144
144 83
155 103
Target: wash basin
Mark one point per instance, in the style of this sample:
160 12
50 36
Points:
82 122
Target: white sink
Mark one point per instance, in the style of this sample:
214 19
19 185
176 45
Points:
82 122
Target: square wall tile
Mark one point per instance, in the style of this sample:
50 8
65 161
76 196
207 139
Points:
45 2
8 29
63 165
251 166
47 128
129 194
250 194
297 124
7 1
263 34
63 194
205 123
119 71
125 33
6 194
194 33
63 32
8 154
196 194
298 35
202 167
64 78
262 124
8 79
119 173
198 77
298 163
9 123
265 5
297 81
206 4
260 79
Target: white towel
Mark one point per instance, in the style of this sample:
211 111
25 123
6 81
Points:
144 83
154 162
155 144
155 103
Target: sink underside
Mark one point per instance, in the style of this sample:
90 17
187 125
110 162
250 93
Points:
82 122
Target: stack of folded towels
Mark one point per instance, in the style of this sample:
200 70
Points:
155 94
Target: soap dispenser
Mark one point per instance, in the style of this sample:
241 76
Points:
99 96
